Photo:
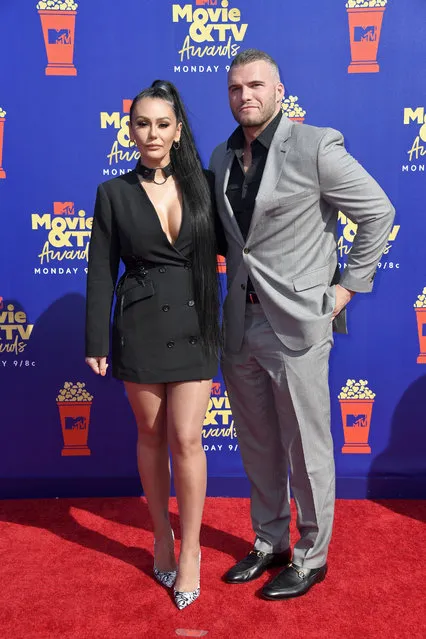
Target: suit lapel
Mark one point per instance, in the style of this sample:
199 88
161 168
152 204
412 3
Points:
274 167
223 180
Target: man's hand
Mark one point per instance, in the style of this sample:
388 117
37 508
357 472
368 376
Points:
97 364
343 296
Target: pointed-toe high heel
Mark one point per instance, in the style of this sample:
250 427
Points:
165 578
184 599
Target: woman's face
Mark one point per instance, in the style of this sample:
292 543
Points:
154 128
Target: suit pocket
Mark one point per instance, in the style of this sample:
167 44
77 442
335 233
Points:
140 291
311 279
287 203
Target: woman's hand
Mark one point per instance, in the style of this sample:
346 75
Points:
97 364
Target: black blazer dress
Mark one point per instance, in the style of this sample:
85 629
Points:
155 334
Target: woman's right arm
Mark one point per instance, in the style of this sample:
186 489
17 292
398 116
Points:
104 259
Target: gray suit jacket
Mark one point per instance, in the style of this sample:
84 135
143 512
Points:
291 250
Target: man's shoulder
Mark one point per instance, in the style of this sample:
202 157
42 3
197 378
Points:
314 135
220 149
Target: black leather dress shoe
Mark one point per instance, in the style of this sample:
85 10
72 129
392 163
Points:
255 564
293 581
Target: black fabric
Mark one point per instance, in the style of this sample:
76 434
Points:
243 187
155 335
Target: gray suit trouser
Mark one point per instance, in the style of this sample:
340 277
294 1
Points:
280 402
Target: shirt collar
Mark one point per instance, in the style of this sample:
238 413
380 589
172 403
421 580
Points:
236 140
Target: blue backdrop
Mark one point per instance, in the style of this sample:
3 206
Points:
67 73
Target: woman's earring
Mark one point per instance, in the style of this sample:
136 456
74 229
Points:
176 144
132 143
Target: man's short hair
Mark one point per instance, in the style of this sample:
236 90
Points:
254 55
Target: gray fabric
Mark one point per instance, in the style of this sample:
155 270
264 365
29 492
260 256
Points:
291 248
275 360
281 409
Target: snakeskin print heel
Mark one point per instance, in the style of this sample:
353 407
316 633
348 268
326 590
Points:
184 599
166 579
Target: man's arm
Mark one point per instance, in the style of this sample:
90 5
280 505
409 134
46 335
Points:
346 185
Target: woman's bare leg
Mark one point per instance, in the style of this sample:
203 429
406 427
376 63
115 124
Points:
187 404
148 402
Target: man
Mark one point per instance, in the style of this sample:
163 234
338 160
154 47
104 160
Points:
279 187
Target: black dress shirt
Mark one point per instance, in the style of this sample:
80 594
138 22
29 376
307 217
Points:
243 187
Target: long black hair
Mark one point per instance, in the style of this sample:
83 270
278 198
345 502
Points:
198 198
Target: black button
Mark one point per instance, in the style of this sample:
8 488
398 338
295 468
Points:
193 340
162 269
243 286
191 303
246 250
170 344
188 265
166 308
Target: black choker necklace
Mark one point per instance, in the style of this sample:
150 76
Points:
149 174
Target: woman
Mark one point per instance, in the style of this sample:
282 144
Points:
158 220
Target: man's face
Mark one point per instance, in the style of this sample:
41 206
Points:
255 93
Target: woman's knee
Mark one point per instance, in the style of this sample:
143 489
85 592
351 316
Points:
152 436
185 444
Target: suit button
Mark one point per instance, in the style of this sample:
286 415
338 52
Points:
170 344
165 308
246 251
243 286
162 269
191 303
193 340
188 265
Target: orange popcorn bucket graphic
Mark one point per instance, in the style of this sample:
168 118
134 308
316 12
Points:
2 171
221 264
356 417
58 32
75 419
365 26
421 328
297 119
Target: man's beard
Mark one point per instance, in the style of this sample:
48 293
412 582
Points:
253 120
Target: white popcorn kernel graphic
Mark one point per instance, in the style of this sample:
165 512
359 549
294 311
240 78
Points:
51 5
365 4
291 109
421 300
356 390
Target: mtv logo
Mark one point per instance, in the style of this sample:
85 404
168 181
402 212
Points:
59 36
63 208
365 34
75 423
201 3
216 388
126 105
356 421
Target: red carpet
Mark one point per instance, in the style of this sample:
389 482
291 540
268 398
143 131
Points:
81 569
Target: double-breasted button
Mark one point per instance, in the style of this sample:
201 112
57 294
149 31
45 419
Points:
191 303
162 269
243 286
246 250
188 265
170 344
165 308
193 340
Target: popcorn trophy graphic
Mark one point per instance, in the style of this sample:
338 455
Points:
292 110
365 23
2 121
356 404
58 24
420 308
74 403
